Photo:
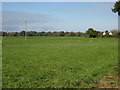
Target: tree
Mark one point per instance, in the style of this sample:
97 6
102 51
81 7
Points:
55 33
30 33
71 34
116 8
43 33
92 33
77 34
5 34
114 32
49 33
1 33
22 33
107 33
61 33
66 33
15 34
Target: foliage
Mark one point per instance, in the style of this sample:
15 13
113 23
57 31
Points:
77 34
114 32
22 33
90 33
93 33
117 7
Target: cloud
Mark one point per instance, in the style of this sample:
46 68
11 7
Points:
15 20
20 17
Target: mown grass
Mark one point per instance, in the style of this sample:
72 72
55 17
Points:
55 62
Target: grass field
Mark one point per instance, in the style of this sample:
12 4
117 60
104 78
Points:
69 62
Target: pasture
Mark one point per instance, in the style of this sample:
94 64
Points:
56 62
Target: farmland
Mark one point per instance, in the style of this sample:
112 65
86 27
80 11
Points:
55 62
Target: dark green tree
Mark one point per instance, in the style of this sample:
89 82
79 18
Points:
114 32
1 33
116 8
107 33
49 33
61 33
22 33
92 33
5 34
77 34
15 34
30 33
71 34
55 33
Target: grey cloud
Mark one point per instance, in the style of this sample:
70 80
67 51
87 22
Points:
20 17
12 21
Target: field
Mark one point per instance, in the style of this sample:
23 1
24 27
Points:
55 62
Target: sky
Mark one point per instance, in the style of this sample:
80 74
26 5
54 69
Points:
58 16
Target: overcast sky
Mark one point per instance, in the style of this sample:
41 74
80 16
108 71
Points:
59 16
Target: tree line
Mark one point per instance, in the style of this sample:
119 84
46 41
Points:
91 33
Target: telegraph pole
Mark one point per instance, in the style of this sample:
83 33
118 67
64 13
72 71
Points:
25 30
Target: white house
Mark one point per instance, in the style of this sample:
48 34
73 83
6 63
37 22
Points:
110 33
104 33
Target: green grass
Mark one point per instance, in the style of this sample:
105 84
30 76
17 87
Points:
57 61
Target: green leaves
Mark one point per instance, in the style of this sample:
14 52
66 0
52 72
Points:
93 33
116 8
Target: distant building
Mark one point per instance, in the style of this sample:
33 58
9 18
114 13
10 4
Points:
104 33
110 33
